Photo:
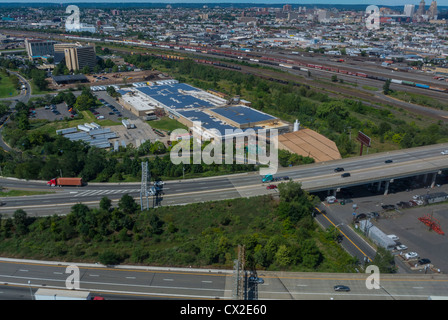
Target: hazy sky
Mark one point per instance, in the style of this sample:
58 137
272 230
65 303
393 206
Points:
366 2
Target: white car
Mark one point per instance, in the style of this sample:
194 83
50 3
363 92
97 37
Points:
416 197
401 247
411 255
393 237
444 152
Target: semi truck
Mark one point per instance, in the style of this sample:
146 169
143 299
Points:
268 178
61 182
56 294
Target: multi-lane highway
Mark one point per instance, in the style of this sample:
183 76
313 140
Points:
20 278
315 177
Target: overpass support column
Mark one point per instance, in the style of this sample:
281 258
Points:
425 178
386 188
434 176
379 186
335 191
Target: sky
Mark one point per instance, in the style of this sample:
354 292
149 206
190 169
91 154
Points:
366 2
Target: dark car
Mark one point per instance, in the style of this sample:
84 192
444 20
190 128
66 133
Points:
345 175
256 279
424 261
341 288
374 215
339 169
388 161
360 217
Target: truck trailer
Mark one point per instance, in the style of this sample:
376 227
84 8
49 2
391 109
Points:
61 182
56 294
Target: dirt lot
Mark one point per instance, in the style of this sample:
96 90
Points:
116 78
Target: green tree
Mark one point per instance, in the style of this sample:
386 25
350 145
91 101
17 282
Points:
127 204
105 203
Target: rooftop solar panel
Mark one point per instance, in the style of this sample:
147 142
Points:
242 115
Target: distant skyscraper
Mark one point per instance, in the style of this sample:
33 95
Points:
409 10
432 12
287 8
421 8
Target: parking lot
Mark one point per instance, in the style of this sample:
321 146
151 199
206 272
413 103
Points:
399 221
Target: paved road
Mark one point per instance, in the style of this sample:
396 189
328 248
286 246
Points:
313 177
214 284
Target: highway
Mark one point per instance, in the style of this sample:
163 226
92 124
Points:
131 282
314 178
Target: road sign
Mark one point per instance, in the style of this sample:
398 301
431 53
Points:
364 139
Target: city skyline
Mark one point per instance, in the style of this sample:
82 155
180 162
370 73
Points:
254 2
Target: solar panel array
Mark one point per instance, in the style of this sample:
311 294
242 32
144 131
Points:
242 115
170 96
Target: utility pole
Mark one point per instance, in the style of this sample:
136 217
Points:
144 186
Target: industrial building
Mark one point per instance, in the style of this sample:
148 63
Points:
69 79
91 133
376 235
190 105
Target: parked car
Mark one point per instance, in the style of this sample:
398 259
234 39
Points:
401 247
373 215
444 152
393 237
411 255
340 287
360 217
424 261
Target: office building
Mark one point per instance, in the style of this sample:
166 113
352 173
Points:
409 10
421 8
76 58
39 48
432 11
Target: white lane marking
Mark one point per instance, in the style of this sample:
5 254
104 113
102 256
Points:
130 278
23 270
57 273
94 275
168 279
206 281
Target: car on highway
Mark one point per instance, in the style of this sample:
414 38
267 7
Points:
256 279
338 169
411 255
424 261
271 186
388 161
444 152
341 287
401 247
393 237
345 175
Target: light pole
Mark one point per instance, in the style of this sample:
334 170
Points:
31 292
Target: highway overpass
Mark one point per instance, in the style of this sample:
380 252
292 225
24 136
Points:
422 161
